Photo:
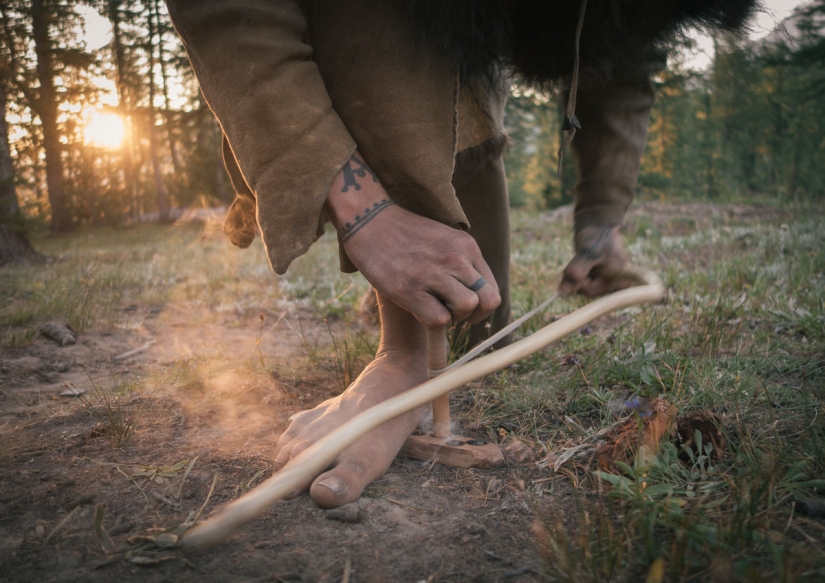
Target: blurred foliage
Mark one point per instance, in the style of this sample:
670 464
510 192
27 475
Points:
749 127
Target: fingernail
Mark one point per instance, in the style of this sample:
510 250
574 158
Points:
335 484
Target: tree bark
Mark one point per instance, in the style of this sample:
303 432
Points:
15 247
47 112
160 188
167 113
709 182
123 102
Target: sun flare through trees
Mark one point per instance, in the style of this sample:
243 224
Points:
112 127
104 130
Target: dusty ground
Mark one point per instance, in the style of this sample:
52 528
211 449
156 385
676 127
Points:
421 522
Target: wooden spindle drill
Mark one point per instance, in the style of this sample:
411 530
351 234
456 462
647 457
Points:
441 445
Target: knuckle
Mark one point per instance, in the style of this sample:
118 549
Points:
466 304
430 311
438 320
491 300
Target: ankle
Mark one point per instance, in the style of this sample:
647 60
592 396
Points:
413 361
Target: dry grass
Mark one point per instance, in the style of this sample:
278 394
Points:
743 336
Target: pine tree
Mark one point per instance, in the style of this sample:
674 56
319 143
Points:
14 244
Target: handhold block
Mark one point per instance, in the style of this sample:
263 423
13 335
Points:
455 450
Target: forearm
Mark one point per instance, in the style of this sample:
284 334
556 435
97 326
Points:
356 197
434 271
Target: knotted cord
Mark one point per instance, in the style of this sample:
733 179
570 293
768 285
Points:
571 122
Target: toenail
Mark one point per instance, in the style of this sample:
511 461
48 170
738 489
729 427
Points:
335 484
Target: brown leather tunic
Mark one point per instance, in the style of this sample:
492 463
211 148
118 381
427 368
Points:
298 85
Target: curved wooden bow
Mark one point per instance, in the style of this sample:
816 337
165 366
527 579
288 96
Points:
318 457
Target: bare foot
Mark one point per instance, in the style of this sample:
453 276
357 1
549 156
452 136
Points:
401 363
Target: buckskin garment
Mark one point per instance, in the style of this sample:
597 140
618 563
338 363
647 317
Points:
420 86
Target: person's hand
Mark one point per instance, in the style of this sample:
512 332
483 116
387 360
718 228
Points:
431 270
600 256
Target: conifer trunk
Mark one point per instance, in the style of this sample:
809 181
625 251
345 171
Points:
14 245
160 188
47 112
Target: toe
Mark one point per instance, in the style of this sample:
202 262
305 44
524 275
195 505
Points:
341 485
288 451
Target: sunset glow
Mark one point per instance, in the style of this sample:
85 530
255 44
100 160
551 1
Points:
105 130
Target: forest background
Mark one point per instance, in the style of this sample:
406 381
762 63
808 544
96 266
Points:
105 133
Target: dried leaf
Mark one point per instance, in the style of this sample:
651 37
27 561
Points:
166 540
144 560
542 539
566 455
517 450
656 574
649 430
707 424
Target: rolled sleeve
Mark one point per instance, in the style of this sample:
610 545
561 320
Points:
258 77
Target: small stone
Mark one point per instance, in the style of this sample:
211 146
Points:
811 507
61 334
83 500
72 391
347 513
61 366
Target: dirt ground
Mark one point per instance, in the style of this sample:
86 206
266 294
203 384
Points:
421 522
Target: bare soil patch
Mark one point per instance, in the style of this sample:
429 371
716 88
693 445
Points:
226 385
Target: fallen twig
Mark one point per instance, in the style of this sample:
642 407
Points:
185 475
126 355
106 541
61 524
164 500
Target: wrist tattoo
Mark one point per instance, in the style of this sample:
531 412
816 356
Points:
355 167
597 248
361 220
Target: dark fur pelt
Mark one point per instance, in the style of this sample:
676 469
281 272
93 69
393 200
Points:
536 38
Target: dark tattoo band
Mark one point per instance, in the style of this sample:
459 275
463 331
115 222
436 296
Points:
479 283
360 220
596 249
355 167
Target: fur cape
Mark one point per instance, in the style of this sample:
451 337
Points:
535 39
